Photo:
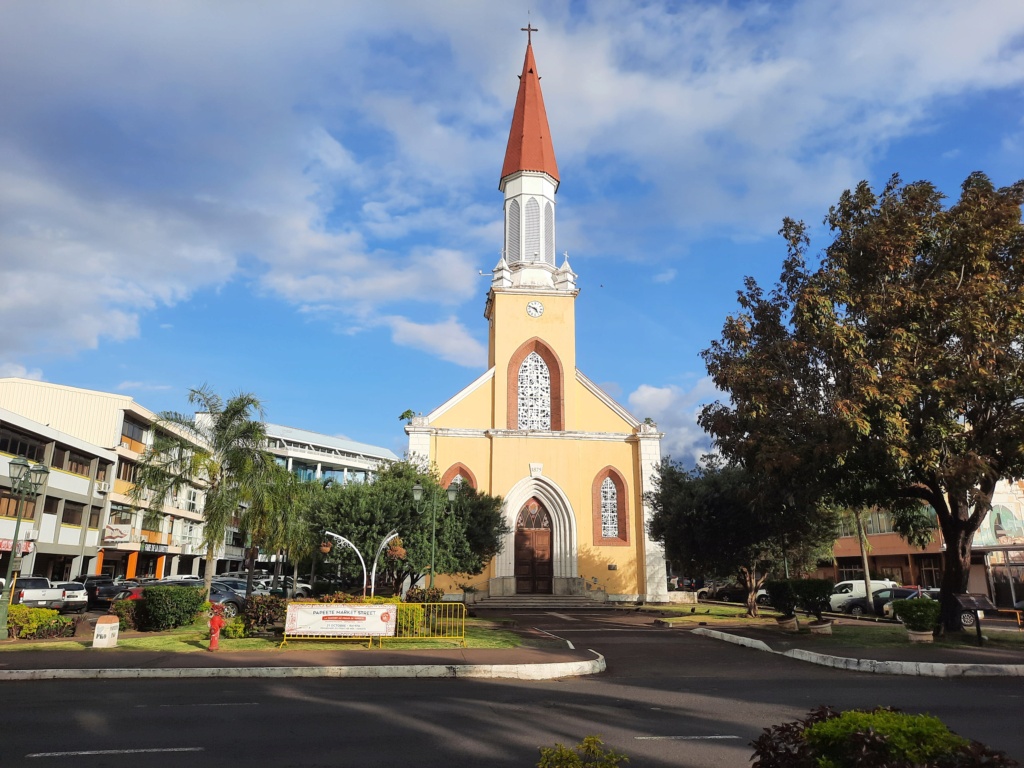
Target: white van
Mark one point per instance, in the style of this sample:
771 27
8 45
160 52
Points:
847 590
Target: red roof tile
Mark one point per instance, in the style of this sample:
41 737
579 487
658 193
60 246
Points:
529 140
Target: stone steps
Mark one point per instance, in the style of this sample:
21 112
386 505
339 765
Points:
544 602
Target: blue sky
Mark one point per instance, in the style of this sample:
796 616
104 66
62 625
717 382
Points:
295 199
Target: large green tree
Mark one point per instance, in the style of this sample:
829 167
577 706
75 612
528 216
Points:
219 448
721 519
469 530
890 373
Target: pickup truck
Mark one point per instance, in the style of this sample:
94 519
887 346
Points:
37 592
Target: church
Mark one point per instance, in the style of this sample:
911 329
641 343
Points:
571 464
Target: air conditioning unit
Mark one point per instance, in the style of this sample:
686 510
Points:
126 444
32 534
102 487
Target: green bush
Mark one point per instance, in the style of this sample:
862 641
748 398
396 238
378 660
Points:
411 618
38 623
261 611
127 612
234 629
920 614
880 738
589 753
781 596
813 595
424 595
168 607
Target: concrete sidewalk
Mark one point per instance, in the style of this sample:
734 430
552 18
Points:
911 659
516 663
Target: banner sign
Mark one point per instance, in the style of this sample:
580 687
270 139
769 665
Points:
341 620
23 546
117 534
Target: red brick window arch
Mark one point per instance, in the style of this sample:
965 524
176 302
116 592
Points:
554 377
610 508
458 473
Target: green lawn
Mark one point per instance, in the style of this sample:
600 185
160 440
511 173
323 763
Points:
479 634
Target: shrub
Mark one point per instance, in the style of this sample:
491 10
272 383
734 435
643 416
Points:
590 752
127 612
813 595
424 595
880 738
920 614
781 596
234 629
38 623
261 611
169 607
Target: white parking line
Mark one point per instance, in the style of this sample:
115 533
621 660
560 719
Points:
203 704
544 631
115 752
562 616
682 738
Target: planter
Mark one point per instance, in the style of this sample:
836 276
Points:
787 623
917 636
823 627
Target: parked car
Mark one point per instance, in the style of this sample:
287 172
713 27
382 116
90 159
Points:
737 593
847 590
37 592
302 589
101 591
858 606
967 618
76 599
238 586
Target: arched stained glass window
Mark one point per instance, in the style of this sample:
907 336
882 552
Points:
512 253
609 509
531 231
534 393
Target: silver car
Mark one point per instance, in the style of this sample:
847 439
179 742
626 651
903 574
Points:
76 599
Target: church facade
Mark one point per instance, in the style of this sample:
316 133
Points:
571 464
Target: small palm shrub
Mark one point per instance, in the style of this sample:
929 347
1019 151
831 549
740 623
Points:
813 595
781 596
589 753
879 738
261 611
127 612
169 607
234 629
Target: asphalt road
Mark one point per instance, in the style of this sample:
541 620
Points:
668 698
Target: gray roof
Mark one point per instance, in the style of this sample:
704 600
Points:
328 441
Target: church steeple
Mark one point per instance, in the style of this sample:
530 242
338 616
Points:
529 140
529 180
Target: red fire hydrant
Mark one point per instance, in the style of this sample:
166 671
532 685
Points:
216 625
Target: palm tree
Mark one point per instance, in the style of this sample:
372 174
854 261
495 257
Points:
220 448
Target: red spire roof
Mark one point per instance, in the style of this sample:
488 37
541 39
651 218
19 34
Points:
529 140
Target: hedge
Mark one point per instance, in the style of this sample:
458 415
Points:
38 623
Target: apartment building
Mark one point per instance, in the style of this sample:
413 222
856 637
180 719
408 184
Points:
312 455
60 534
131 542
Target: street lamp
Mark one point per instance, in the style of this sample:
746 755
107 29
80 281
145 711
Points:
417 495
26 481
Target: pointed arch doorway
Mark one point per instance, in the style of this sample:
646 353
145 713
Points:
533 566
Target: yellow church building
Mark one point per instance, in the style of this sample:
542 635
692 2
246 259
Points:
571 464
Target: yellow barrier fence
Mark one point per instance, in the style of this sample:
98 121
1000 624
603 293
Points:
415 621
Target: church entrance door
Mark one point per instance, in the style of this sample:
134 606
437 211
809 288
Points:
533 550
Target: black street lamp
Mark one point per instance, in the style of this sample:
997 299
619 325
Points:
417 495
26 482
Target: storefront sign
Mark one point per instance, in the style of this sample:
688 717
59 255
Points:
117 534
7 544
341 620
148 546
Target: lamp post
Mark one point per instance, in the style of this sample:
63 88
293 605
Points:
417 495
26 481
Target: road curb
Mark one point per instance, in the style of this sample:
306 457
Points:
910 668
548 671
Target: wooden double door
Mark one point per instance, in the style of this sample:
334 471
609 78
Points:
533 566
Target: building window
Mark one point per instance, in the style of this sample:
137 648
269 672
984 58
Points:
610 517
531 231
9 506
78 464
534 393
51 506
549 234
512 244
121 515
101 472
126 471
609 510
72 513
152 522
192 503
20 444
94 517
133 431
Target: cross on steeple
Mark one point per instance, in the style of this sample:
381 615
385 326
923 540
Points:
529 29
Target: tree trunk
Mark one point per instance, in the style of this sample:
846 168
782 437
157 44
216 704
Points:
211 567
954 573
862 538
250 557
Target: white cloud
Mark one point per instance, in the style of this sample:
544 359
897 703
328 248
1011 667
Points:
666 276
675 411
141 386
448 340
14 370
